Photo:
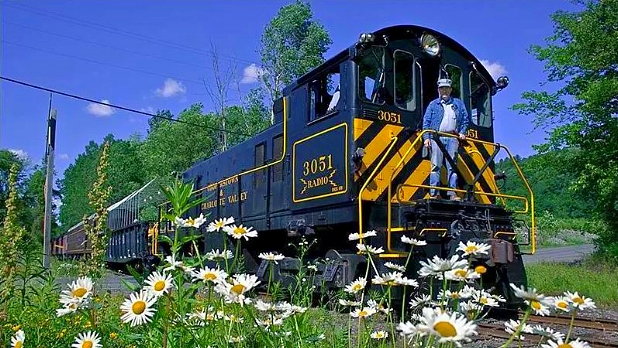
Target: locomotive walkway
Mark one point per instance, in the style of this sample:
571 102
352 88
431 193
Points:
113 281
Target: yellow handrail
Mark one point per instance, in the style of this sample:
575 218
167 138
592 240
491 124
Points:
360 192
521 175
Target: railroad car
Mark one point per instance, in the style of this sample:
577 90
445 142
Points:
131 232
345 155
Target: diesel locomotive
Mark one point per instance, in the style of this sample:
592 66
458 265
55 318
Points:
345 155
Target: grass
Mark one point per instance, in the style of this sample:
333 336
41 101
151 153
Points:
592 278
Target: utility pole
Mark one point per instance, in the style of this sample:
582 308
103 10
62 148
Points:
51 144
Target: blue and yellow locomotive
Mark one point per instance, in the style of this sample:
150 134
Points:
345 155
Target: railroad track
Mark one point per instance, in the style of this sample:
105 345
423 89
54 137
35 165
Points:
497 330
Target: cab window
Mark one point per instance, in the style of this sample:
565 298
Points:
324 94
405 88
480 101
453 72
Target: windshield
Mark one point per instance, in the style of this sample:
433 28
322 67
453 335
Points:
371 76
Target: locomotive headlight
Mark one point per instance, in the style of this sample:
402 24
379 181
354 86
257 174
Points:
430 45
366 38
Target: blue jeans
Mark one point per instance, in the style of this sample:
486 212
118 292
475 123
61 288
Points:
451 145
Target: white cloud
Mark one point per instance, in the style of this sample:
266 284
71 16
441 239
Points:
63 156
170 88
100 110
23 155
495 69
251 73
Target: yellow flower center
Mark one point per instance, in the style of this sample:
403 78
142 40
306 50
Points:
357 287
210 276
562 305
470 249
238 289
239 231
565 345
159 285
113 335
480 269
536 305
219 224
578 300
19 344
445 329
80 292
362 313
138 307
87 344
461 273
455 295
483 300
380 335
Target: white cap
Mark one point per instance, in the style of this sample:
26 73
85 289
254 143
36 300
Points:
444 83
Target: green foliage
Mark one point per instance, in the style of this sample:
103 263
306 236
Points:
598 280
97 233
293 43
580 57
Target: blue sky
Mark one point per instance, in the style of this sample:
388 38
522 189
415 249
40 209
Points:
156 55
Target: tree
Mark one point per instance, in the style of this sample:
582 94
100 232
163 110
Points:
177 145
292 44
581 57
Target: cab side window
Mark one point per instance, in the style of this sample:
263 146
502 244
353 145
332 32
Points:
480 101
324 94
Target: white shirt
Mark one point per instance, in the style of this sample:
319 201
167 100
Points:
449 120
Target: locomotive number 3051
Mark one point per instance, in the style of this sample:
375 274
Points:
319 164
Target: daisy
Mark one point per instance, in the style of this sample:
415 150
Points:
389 279
461 275
207 274
580 302
216 255
171 259
347 303
547 332
79 289
378 335
138 308
235 292
158 283
395 266
529 294
363 313
240 231
218 225
357 236
437 265
447 327
17 341
271 257
473 249
412 241
190 222
513 325
89 339
356 286
572 344
561 303
368 249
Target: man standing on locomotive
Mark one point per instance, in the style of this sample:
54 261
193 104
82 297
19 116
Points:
445 114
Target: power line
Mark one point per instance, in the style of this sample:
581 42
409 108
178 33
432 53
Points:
121 32
74 96
99 62
108 46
